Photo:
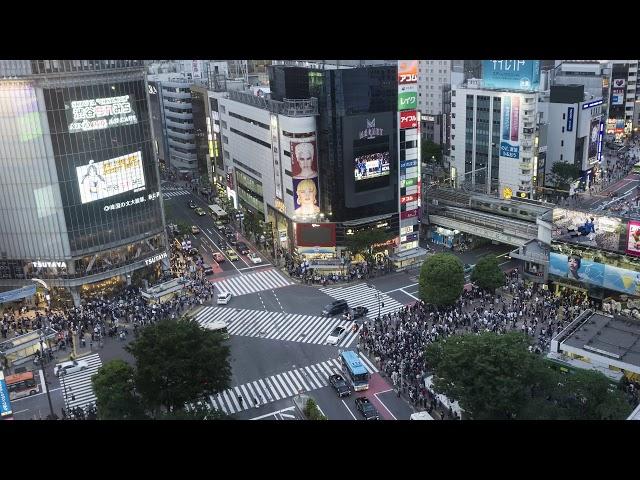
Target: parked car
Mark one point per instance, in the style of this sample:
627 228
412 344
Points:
195 229
233 256
192 204
224 298
335 307
200 211
219 257
366 408
339 385
336 335
70 367
254 257
242 248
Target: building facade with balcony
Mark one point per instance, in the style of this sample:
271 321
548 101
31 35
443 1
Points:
80 204
493 147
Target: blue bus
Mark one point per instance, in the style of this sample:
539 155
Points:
357 374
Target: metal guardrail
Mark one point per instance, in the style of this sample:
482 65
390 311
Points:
289 107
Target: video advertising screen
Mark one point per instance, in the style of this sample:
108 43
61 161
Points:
316 234
110 177
371 163
588 229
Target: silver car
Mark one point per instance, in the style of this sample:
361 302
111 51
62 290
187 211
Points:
70 367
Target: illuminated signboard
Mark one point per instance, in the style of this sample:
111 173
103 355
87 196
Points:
595 103
407 71
110 177
100 113
407 100
316 234
509 145
408 119
155 258
5 402
511 74
570 112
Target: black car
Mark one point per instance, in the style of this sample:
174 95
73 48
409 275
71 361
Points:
228 230
232 240
339 385
357 312
242 248
338 306
208 270
366 408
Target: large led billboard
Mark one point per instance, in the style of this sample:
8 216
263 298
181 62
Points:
100 113
371 165
316 234
587 229
371 162
594 137
576 268
110 177
511 74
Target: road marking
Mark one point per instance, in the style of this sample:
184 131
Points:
349 410
20 411
318 406
287 415
504 263
36 395
505 253
256 266
42 382
218 248
382 403
406 286
407 293
288 409
278 300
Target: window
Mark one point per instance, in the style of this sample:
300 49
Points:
562 143
223 109
564 116
562 129
453 104
223 124
560 157
225 139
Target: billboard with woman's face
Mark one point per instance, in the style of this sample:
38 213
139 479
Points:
304 163
305 197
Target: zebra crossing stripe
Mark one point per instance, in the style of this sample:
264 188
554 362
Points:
362 295
266 389
299 376
78 387
268 279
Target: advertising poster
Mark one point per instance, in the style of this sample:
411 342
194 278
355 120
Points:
633 238
5 402
622 280
316 234
576 268
407 100
586 228
304 163
594 135
408 120
511 74
110 177
305 196
509 147
100 113
407 71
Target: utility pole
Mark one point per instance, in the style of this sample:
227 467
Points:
53 416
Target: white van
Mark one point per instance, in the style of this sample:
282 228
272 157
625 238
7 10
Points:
421 416
224 298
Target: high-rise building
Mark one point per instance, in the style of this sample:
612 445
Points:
434 81
80 204
622 102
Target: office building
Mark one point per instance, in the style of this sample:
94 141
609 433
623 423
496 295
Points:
434 81
622 101
80 203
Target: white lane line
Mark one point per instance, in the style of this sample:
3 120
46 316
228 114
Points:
385 407
256 266
214 243
349 410
407 293
288 409
406 286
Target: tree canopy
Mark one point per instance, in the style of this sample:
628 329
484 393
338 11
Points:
362 241
179 363
496 377
441 279
564 173
431 149
114 389
487 273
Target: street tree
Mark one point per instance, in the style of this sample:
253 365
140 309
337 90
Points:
490 375
441 279
564 173
431 150
589 395
198 411
115 392
178 362
487 274
363 241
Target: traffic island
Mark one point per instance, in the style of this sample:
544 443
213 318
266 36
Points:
308 407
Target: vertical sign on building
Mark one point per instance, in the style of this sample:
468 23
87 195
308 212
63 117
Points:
408 154
5 402
275 151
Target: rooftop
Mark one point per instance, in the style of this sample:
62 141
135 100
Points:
613 337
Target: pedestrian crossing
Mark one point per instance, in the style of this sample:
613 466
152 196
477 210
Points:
280 386
253 282
277 325
77 390
167 193
361 295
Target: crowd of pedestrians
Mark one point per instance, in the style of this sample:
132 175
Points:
349 271
397 341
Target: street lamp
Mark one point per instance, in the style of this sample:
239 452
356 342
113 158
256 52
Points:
53 416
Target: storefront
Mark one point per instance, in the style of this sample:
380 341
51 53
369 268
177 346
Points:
443 236
105 288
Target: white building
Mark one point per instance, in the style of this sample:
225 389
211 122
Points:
622 117
433 77
592 74
492 140
574 124
256 140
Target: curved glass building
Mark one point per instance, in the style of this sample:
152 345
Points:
80 198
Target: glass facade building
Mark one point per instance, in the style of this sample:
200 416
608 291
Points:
79 188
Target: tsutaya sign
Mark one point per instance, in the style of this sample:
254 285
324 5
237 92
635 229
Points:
39 264
100 113
156 258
